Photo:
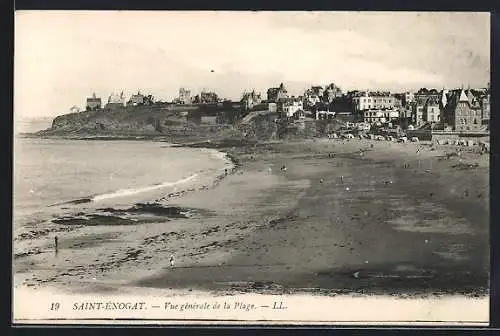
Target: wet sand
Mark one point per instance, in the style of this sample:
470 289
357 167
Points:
336 221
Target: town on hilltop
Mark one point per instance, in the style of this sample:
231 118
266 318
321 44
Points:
425 113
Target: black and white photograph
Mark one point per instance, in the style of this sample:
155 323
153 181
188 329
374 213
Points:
243 167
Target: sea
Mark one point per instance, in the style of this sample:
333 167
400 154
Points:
59 182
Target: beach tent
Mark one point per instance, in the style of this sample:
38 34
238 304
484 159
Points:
414 139
403 139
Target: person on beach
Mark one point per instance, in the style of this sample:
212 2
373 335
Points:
56 244
172 261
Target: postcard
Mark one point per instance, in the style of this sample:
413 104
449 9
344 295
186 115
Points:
303 168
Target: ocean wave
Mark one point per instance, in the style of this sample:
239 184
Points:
128 192
133 191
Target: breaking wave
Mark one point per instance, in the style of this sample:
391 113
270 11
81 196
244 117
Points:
133 191
128 192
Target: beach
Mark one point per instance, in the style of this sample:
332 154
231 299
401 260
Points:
358 216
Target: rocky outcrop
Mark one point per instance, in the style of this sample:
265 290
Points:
127 120
178 126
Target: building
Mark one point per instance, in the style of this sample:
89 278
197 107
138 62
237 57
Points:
251 99
432 111
362 102
485 108
290 107
317 94
407 111
317 90
208 98
116 101
93 103
277 94
373 100
408 98
417 117
463 111
382 100
380 116
398 102
208 120
322 111
184 96
331 92
299 114
272 107
426 107
310 100
136 99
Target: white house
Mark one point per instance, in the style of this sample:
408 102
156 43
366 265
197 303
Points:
116 100
290 108
372 116
313 100
273 107
363 102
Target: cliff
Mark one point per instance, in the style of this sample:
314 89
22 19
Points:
127 120
182 125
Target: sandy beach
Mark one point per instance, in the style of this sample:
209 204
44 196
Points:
358 216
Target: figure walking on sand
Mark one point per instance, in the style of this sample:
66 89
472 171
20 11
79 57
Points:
172 261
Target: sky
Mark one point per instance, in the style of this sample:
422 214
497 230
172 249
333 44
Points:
62 57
